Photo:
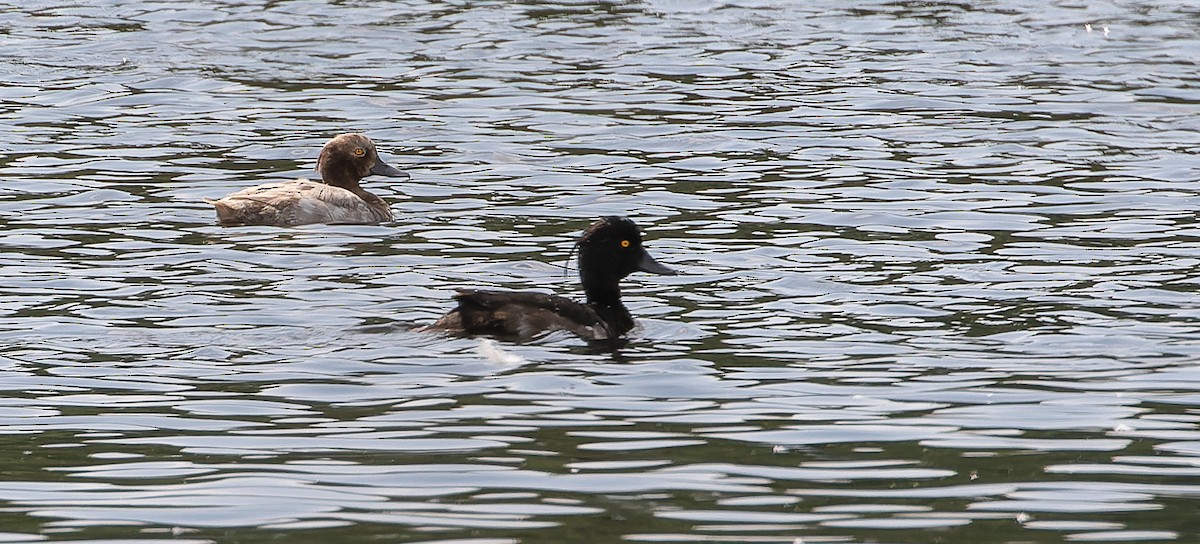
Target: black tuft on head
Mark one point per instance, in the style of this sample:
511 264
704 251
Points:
611 229
610 250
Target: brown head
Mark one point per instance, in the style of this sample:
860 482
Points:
348 158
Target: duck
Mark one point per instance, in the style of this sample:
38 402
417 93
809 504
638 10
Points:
336 198
609 251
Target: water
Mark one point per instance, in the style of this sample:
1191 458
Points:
940 272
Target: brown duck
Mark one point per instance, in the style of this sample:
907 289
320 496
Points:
337 198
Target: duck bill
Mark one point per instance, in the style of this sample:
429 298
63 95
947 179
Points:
648 264
384 169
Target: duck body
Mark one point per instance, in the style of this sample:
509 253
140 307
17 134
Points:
524 314
299 202
609 250
337 198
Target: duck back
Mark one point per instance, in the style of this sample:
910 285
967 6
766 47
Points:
299 202
520 314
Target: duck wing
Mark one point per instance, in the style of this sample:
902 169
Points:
299 202
521 314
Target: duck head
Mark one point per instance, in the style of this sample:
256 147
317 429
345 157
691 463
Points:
610 250
348 158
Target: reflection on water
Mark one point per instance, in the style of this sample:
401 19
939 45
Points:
940 273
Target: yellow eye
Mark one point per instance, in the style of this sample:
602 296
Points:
358 152
624 243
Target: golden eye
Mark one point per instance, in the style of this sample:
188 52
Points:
624 243
358 152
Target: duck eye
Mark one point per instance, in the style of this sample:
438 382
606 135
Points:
358 152
624 243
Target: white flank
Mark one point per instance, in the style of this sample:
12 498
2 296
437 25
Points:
495 354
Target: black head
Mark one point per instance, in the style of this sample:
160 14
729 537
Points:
348 158
611 249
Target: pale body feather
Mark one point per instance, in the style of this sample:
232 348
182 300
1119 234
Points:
298 202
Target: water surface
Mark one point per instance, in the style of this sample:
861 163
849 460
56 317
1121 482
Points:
940 272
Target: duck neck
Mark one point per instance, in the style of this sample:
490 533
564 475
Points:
370 199
339 178
605 299
349 183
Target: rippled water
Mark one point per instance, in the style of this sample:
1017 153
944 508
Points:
941 272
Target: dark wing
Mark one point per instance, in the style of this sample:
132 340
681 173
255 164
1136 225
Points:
521 314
